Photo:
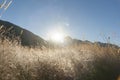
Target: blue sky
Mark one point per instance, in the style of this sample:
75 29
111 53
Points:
91 20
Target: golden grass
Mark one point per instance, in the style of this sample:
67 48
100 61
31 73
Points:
83 62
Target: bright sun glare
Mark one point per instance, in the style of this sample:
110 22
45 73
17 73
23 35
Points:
57 37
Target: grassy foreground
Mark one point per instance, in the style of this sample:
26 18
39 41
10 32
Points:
83 62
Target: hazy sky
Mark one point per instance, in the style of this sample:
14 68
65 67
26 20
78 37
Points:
82 19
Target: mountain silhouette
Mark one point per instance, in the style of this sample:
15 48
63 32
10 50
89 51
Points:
14 32
71 42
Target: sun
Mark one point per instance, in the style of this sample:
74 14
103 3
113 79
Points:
57 37
56 34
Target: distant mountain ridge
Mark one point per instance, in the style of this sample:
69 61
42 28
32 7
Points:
69 41
27 38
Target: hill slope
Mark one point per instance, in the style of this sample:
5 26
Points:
27 38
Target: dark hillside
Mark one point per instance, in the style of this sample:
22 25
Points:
26 37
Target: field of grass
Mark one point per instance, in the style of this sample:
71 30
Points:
83 62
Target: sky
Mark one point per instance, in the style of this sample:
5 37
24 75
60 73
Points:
93 20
